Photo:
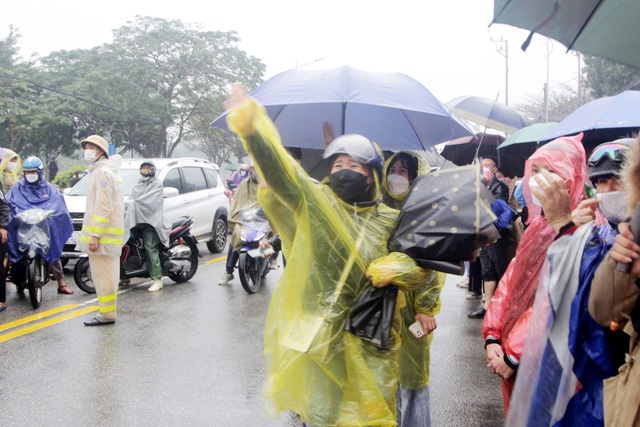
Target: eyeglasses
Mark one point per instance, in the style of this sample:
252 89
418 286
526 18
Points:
615 152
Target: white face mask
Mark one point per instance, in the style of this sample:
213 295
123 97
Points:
11 166
534 184
31 177
397 184
243 173
613 206
89 155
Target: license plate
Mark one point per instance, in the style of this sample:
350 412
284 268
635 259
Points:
73 239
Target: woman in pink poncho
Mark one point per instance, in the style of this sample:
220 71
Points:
506 322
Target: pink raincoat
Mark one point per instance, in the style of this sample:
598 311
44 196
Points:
507 318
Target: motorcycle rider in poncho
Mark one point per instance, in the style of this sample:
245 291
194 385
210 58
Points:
332 233
147 208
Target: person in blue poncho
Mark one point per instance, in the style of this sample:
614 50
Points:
34 192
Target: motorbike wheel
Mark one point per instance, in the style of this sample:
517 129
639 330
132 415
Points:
82 276
219 241
33 282
250 277
185 277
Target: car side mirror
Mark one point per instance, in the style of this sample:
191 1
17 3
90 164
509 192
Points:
170 192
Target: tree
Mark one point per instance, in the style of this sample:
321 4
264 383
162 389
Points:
563 100
606 78
147 87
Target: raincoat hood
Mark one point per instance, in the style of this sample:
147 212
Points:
7 177
395 201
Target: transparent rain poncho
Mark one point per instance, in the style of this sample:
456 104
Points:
508 315
414 356
315 368
33 229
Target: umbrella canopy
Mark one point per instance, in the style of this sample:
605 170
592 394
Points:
487 112
603 119
528 135
599 27
462 151
391 109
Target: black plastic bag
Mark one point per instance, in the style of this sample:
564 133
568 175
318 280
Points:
446 217
371 317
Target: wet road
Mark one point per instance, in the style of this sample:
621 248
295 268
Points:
191 355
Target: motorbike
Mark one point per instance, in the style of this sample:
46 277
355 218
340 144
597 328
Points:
179 260
32 271
253 262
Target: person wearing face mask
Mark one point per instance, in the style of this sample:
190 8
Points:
422 305
595 348
239 175
332 233
10 169
494 258
506 322
34 191
103 230
147 207
244 198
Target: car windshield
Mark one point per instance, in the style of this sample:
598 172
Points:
130 177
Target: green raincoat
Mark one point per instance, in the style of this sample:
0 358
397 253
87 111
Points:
314 367
414 355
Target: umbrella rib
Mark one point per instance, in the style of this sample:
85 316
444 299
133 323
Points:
586 22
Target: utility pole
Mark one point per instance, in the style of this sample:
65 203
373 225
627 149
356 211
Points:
546 88
503 49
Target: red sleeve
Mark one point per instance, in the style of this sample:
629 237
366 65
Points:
492 323
514 345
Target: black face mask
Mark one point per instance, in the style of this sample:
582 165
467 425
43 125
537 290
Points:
350 186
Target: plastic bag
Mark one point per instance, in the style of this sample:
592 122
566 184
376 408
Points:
371 318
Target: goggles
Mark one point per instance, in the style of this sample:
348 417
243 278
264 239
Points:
615 152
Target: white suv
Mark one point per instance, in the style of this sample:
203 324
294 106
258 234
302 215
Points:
200 195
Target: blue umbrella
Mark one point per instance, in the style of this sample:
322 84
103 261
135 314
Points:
391 109
489 113
606 118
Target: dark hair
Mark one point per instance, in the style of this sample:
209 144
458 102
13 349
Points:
409 161
294 152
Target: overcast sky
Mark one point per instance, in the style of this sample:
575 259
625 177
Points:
446 44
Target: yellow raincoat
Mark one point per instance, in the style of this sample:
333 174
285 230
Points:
414 355
315 368
104 216
8 178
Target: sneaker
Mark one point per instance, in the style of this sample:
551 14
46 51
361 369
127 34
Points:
273 263
225 279
477 314
463 283
472 295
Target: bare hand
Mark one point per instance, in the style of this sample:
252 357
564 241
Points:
3 235
500 368
235 96
327 129
428 322
494 351
554 197
94 243
263 244
625 249
585 212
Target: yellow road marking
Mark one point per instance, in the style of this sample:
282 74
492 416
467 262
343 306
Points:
37 316
46 323
214 260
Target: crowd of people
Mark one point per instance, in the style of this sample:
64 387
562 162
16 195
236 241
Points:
560 314
334 235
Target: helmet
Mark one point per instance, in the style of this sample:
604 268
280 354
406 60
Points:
607 159
358 148
32 164
151 165
99 141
